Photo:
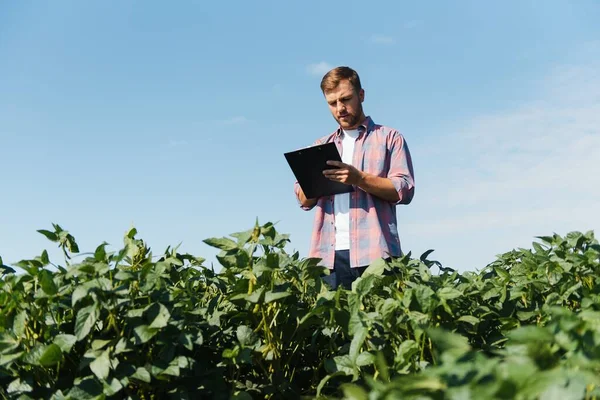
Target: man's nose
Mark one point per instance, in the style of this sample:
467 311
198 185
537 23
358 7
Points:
341 106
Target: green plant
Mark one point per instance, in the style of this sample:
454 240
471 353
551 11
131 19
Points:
128 324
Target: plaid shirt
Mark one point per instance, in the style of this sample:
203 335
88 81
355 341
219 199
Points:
381 151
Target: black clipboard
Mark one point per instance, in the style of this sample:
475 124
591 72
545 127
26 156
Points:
308 165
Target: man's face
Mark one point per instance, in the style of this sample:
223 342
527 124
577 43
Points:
346 105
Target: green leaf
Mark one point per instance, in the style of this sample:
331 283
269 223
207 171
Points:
243 237
101 365
424 272
530 334
557 391
136 312
357 341
448 293
272 261
426 254
469 319
5 268
79 293
123 346
19 323
272 296
363 285
71 244
221 243
124 276
423 383
144 333
51 356
502 273
44 355
100 253
159 315
344 364
171 370
186 339
238 259
354 392
142 374
406 350
389 308
44 258
65 342
87 389
365 358
538 248
99 344
6 359
448 342
382 366
7 343
571 290
230 353
255 297
112 388
546 239
425 296
85 321
324 381
19 386
377 268
47 283
246 336
50 235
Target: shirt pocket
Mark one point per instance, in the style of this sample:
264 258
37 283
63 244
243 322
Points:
375 159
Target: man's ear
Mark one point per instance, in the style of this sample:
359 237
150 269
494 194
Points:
361 95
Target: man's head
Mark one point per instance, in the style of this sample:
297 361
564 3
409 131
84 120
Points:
344 95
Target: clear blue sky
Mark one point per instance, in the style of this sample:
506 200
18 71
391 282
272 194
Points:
174 117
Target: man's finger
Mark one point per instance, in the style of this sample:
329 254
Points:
336 163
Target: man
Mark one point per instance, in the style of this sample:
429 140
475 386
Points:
351 230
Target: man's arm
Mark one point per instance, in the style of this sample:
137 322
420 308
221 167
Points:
401 171
381 187
350 175
398 187
305 204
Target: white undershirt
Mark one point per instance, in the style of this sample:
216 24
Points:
341 203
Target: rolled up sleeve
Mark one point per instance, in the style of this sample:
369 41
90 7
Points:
401 171
297 185
297 193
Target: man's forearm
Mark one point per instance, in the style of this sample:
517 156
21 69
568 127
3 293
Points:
378 186
304 201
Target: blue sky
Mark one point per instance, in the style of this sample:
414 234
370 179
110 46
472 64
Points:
174 118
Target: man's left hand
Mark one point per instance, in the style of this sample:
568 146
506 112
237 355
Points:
344 173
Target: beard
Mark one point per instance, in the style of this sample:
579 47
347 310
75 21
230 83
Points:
351 120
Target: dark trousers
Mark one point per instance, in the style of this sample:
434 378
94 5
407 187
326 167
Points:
342 274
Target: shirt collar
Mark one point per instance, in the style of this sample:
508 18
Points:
365 127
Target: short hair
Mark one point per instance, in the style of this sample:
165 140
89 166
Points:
333 78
